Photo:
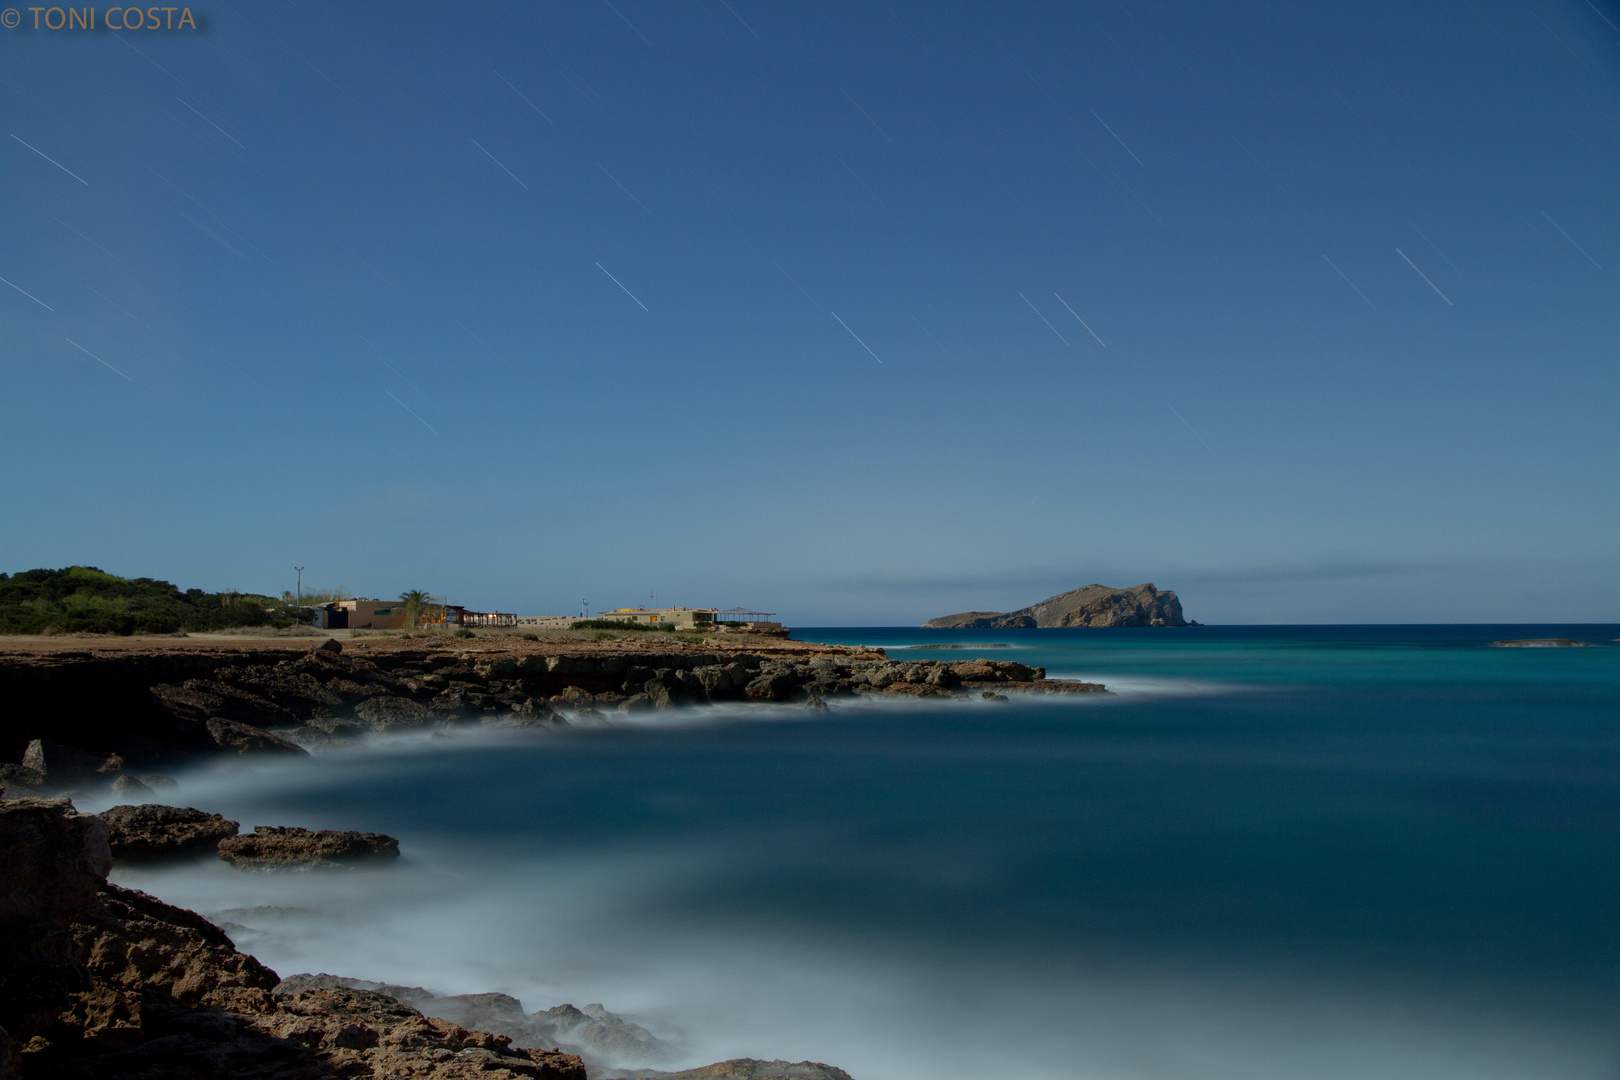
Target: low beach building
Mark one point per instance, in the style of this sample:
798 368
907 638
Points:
672 618
359 614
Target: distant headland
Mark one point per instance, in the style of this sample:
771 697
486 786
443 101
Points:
1089 605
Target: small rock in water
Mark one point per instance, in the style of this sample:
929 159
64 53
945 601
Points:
815 704
991 695
271 847
151 832
158 780
127 787
1542 643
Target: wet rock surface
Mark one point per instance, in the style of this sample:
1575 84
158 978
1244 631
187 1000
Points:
741 1069
600 1038
285 848
153 833
610 1046
98 981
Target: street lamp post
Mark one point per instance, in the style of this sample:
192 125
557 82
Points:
299 602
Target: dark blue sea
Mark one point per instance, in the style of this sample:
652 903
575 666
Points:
1335 852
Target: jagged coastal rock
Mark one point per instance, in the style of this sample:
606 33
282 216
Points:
1090 605
603 1040
118 715
102 981
97 980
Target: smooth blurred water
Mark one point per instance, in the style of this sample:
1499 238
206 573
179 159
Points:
1277 852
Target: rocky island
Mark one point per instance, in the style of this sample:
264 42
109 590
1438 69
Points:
1089 605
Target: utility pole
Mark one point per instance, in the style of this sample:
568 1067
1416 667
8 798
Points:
300 594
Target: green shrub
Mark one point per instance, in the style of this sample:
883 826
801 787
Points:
84 599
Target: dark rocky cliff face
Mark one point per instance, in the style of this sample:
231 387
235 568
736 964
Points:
1090 605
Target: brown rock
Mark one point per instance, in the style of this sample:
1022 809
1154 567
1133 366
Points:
298 691
170 997
20 782
778 687
52 858
150 832
134 942
387 711
364 1033
203 699
280 848
52 861
240 738
994 671
63 767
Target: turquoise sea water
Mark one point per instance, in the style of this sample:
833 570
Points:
1274 852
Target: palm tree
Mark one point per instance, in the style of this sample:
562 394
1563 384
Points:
416 604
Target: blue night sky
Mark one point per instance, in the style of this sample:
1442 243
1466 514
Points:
858 313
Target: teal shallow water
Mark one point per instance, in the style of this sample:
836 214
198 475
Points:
1276 852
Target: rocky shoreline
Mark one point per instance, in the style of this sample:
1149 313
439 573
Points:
100 981
83 721
97 980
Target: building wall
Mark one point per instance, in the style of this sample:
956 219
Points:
375 614
674 618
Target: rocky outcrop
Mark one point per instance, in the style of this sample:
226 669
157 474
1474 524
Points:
102 981
152 833
255 703
235 737
52 864
608 1044
52 858
1090 605
600 1038
279 848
